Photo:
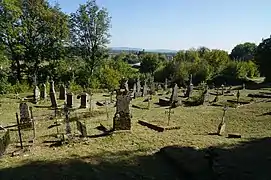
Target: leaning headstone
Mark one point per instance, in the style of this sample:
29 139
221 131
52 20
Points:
81 128
36 94
52 86
122 118
43 93
67 120
84 100
222 125
24 113
69 100
145 89
53 99
174 99
62 92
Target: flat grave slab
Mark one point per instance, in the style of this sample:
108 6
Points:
158 128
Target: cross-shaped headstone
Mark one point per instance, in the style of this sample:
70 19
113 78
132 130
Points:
169 112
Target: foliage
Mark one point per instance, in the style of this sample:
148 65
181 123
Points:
149 63
244 52
262 57
90 33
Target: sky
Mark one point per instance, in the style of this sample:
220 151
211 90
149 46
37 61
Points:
183 24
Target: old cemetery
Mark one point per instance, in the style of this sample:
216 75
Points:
151 124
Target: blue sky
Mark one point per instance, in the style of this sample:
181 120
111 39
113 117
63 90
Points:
183 24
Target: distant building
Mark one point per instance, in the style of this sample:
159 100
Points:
136 65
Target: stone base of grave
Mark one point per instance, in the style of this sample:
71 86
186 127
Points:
156 127
240 102
164 102
234 135
260 95
122 122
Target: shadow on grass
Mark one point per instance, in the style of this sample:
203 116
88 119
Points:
249 160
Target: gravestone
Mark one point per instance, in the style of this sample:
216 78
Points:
174 99
122 118
205 96
222 125
81 128
24 113
69 100
145 89
52 86
166 84
243 86
134 91
62 92
222 89
84 100
189 88
36 94
238 96
43 93
138 88
152 86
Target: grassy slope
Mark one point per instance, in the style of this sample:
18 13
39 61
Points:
126 155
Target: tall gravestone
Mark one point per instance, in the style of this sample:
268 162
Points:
205 96
67 120
145 89
43 93
62 92
53 95
138 88
134 91
174 99
189 88
166 84
84 100
152 86
69 100
36 94
122 118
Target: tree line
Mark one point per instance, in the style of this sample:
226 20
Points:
39 42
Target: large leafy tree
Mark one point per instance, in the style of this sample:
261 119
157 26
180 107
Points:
149 63
244 52
90 26
32 32
262 57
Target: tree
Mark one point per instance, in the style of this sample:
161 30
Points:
244 52
90 33
262 57
150 62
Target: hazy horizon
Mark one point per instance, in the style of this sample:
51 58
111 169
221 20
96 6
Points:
180 24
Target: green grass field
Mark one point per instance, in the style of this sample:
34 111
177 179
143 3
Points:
134 155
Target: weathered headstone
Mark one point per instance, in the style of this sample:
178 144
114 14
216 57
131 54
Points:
222 125
243 86
24 113
43 93
205 96
152 86
36 94
145 89
52 86
238 96
174 99
81 128
222 89
122 118
134 91
62 92
69 100
138 88
189 88
84 100
166 84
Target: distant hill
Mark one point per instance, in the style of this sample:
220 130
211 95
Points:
140 49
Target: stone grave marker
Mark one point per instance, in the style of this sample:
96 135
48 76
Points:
43 93
222 125
122 118
222 89
138 88
84 100
189 88
134 91
166 84
24 113
243 86
52 86
81 128
238 96
145 89
36 94
174 99
169 112
69 100
205 98
62 92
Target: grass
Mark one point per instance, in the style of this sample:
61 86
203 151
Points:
130 155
